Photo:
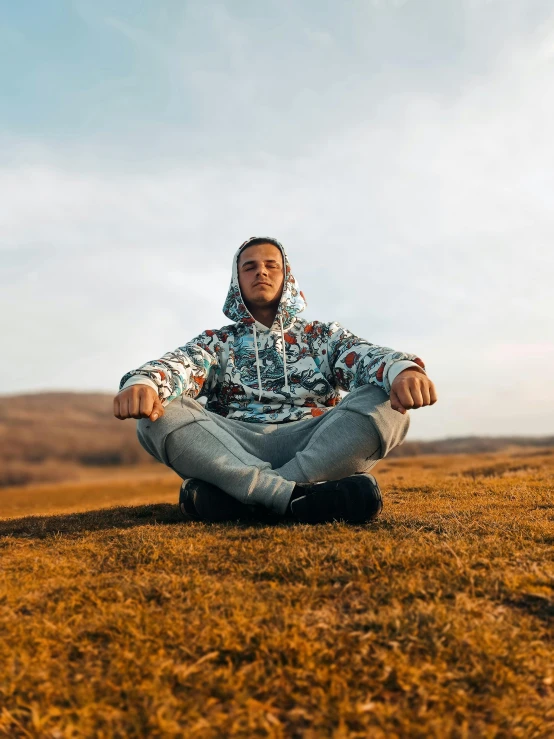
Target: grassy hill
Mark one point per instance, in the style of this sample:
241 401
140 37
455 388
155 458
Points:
436 620
61 435
55 436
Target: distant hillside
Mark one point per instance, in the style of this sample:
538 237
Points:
50 436
470 445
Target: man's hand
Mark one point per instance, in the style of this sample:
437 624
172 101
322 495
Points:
411 389
138 401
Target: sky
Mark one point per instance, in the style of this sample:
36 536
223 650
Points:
401 150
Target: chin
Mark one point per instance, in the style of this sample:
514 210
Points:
264 303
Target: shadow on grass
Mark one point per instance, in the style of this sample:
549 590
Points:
539 606
123 517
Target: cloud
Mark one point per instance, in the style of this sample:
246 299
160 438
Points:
419 217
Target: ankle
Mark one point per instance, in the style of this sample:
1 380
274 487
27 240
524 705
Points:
298 492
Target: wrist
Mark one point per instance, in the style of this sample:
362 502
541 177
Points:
412 369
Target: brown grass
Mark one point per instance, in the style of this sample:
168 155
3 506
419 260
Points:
435 621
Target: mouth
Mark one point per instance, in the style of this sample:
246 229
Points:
267 284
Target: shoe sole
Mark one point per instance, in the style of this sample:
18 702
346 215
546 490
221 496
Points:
354 499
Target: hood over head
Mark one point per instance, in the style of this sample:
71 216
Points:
292 299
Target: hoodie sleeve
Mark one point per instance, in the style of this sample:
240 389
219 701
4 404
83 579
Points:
188 370
355 362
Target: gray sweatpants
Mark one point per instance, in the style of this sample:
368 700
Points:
259 463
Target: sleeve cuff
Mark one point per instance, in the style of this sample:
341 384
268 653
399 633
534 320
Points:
398 367
140 380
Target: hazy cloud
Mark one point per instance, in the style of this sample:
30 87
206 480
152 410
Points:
401 152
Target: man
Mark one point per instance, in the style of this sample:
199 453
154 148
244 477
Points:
273 436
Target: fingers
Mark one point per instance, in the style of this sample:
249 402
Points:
157 410
404 393
429 394
413 390
134 402
417 395
121 407
433 394
395 402
139 401
145 405
425 395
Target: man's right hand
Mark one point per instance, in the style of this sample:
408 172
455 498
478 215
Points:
138 401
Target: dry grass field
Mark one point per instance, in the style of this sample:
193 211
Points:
120 620
60 436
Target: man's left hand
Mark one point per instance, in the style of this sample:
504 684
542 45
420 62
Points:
411 389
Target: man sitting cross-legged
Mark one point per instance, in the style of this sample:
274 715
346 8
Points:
272 436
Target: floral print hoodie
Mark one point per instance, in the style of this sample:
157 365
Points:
292 370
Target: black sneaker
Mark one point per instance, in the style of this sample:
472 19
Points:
353 499
202 501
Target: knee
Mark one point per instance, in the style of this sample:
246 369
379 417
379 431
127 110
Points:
151 436
178 413
397 433
390 425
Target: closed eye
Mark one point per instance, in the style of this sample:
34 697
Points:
271 265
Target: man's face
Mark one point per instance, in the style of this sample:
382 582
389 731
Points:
261 277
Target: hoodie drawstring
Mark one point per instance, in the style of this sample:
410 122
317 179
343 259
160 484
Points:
284 355
287 388
257 364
